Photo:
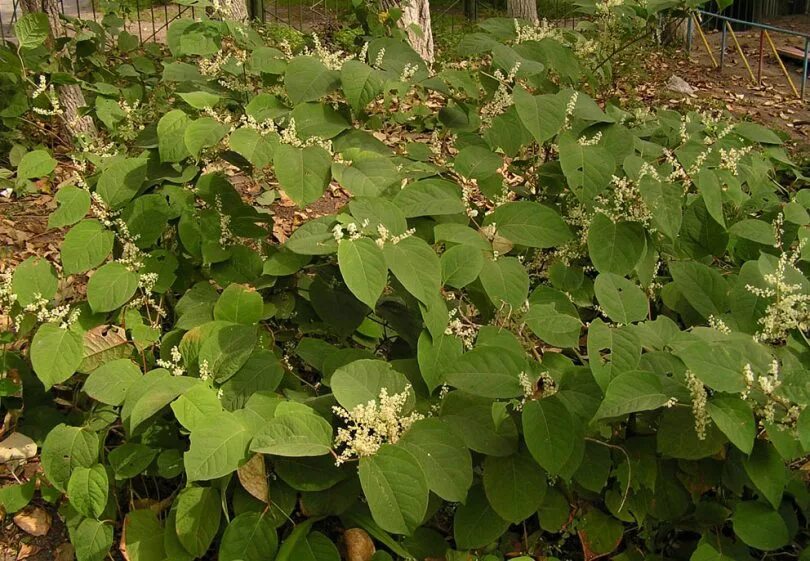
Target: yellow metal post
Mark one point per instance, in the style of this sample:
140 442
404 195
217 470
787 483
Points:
705 41
742 54
782 64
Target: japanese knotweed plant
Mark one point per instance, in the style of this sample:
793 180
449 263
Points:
534 326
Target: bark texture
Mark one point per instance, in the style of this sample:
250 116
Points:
415 22
71 97
523 9
238 10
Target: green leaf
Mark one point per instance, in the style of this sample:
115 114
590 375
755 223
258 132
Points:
171 130
601 533
93 540
542 115
318 120
65 449
429 197
149 394
315 547
362 264
361 381
621 299
361 83
461 265
554 326
414 263
307 79
121 181
110 287
552 435
514 485
198 516
239 304
471 418
677 438
86 246
529 223
615 247
444 458
631 392
32 30
719 365
219 443
251 536
735 418
252 146
35 164
204 132
703 287
475 523
195 405
228 349
130 459
34 278
395 488
756 133
759 526
109 382
303 173
14 498
200 100
56 354
506 283
295 435
487 372
143 536
74 204
436 355
88 489
767 471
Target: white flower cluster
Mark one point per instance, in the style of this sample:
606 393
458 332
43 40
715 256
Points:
226 236
730 159
369 426
569 110
290 136
146 284
333 60
593 141
7 295
386 237
502 98
464 330
63 315
536 32
699 404
175 365
43 88
624 202
719 325
407 72
789 306
205 371
766 386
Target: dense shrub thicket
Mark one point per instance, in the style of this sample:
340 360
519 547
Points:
537 327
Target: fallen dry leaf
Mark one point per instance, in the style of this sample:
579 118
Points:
33 520
64 552
358 544
16 447
27 550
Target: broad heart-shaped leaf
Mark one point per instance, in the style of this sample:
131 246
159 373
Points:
110 287
109 382
219 443
93 540
204 132
529 223
294 435
74 203
395 488
239 304
719 364
620 298
32 30
171 130
368 177
588 169
151 393
767 471
252 146
198 515
307 79
228 349
56 353
303 173
487 372
461 265
34 278
361 83
515 485
361 381
86 246
251 536
121 181
703 287
735 418
131 459
475 523
416 266
615 247
312 547
318 120
429 197
37 163
542 115
444 458
630 392
363 267
556 327
436 355
506 283
677 438
143 535
87 489
65 449
552 434
471 418
759 526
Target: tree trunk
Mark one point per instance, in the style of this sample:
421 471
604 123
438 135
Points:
238 10
523 9
415 22
71 97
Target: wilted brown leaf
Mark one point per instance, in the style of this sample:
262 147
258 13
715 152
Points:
358 545
253 477
33 520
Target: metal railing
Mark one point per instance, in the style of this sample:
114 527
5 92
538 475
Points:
765 30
